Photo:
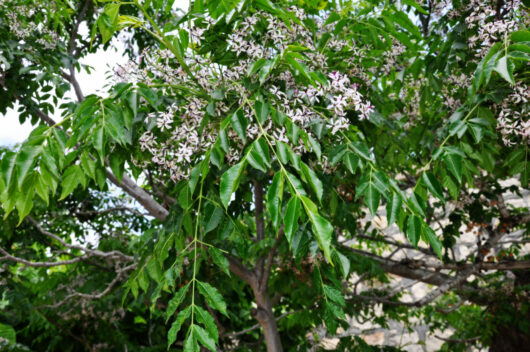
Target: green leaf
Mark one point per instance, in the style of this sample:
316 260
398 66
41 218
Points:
208 321
213 297
259 156
204 338
191 344
8 332
213 219
292 214
351 161
177 324
42 189
362 150
283 152
262 111
414 229
175 302
322 228
239 124
25 160
433 240
72 177
393 207
219 259
315 147
99 143
313 180
417 204
274 199
433 185
88 165
24 200
505 69
451 186
344 263
230 182
117 165
372 197
334 295
454 164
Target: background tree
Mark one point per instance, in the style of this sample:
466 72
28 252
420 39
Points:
264 141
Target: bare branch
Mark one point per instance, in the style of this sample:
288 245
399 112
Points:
110 210
8 256
92 252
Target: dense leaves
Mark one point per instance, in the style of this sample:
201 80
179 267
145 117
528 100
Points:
261 146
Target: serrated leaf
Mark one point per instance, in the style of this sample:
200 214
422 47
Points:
433 185
177 324
315 147
259 156
274 199
88 165
72 177
351 161
24 201
208 321
262 111
175 302
344 263
454 164
191 344
213 219
334 295
219 259
239 124
230 182
292 214
505 69
25 160
393 207
322 228
433 240
414 229
212 297
362 150
417 204
313 180
204 338
371 197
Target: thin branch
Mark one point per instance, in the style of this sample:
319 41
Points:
270 257
93 296
8 256
115 254
110 210
471 339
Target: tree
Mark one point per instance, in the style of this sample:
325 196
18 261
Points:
264 140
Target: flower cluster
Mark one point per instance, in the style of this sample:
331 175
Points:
493 23
513 121
24 31
178 134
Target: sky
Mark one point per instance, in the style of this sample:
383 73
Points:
103 62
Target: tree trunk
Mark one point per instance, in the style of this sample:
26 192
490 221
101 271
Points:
266 319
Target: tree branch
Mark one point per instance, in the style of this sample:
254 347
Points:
8 256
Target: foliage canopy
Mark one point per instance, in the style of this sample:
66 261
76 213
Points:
259 161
